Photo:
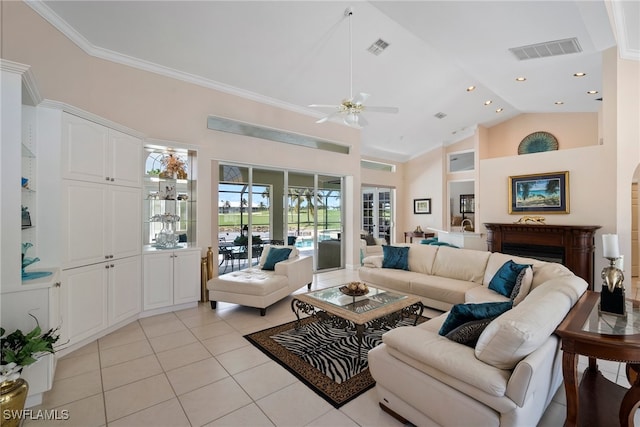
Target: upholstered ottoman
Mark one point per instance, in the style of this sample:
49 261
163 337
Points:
252 287
255 287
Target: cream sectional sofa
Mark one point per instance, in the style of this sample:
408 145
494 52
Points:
443 276
512 373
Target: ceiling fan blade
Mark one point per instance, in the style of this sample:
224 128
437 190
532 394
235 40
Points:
323 106
393 110
360 98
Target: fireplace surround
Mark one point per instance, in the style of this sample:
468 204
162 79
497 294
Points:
570 245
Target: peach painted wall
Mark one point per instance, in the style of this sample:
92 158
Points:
572 130
424 177
377 178
168 109
627 122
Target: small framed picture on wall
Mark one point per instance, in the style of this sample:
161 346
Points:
421 206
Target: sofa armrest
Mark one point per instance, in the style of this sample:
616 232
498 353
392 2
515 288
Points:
537 374
298 270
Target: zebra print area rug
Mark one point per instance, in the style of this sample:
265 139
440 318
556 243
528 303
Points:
321 356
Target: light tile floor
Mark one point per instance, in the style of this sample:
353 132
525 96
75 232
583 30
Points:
194 368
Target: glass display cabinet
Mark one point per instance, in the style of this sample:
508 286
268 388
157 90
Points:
169 193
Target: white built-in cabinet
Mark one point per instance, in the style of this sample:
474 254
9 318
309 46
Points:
101 222
101 228
95 153
171 277
97 296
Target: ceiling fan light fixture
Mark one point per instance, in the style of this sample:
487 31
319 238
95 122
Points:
354 105
351 119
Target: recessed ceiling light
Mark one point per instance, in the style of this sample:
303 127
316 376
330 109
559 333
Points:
521 79
471 88
500 110
488 102
579 74
559 102
592 92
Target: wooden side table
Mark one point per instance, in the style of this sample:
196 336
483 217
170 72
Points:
412 234
595 400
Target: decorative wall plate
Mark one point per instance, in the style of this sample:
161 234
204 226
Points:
538 142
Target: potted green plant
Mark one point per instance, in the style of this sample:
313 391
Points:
18 350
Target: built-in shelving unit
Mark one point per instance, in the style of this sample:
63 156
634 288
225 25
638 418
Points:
164 193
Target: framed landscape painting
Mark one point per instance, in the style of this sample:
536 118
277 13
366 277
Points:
421 206
539 193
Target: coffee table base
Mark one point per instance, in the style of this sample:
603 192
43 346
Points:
390 320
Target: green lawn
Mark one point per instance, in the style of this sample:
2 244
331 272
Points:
261 218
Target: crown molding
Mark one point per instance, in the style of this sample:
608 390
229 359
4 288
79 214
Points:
623 20
13 67
50 16
57 105
31 88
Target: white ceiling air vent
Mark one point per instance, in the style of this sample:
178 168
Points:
439 115
542 50
378 46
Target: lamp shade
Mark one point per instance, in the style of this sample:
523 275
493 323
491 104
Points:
610 247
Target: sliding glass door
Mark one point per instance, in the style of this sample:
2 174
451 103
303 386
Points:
258 206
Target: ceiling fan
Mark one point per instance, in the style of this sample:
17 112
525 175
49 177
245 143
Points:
352 107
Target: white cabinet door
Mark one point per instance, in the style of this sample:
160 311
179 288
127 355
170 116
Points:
93 152
186 276
125 159
84 149
100 222
84 301
158 280
124 221
124 289
84 223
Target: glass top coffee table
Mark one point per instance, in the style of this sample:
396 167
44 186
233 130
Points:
377 309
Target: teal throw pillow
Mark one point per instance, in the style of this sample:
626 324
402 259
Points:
429 241
463 313
274 256
505 278
395 257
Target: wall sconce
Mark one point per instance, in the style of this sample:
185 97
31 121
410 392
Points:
612 298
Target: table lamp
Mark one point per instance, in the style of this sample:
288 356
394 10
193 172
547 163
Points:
612 298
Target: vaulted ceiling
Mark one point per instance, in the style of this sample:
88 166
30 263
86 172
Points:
296 53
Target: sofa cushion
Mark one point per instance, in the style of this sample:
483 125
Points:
463 313
421 258
521 330
398 280
444 289
275 256
461 264
373 261
425 350
483 294
504 280
396 257
548 271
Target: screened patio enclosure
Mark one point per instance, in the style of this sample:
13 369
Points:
257 206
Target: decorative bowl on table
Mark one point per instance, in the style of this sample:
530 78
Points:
354 289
